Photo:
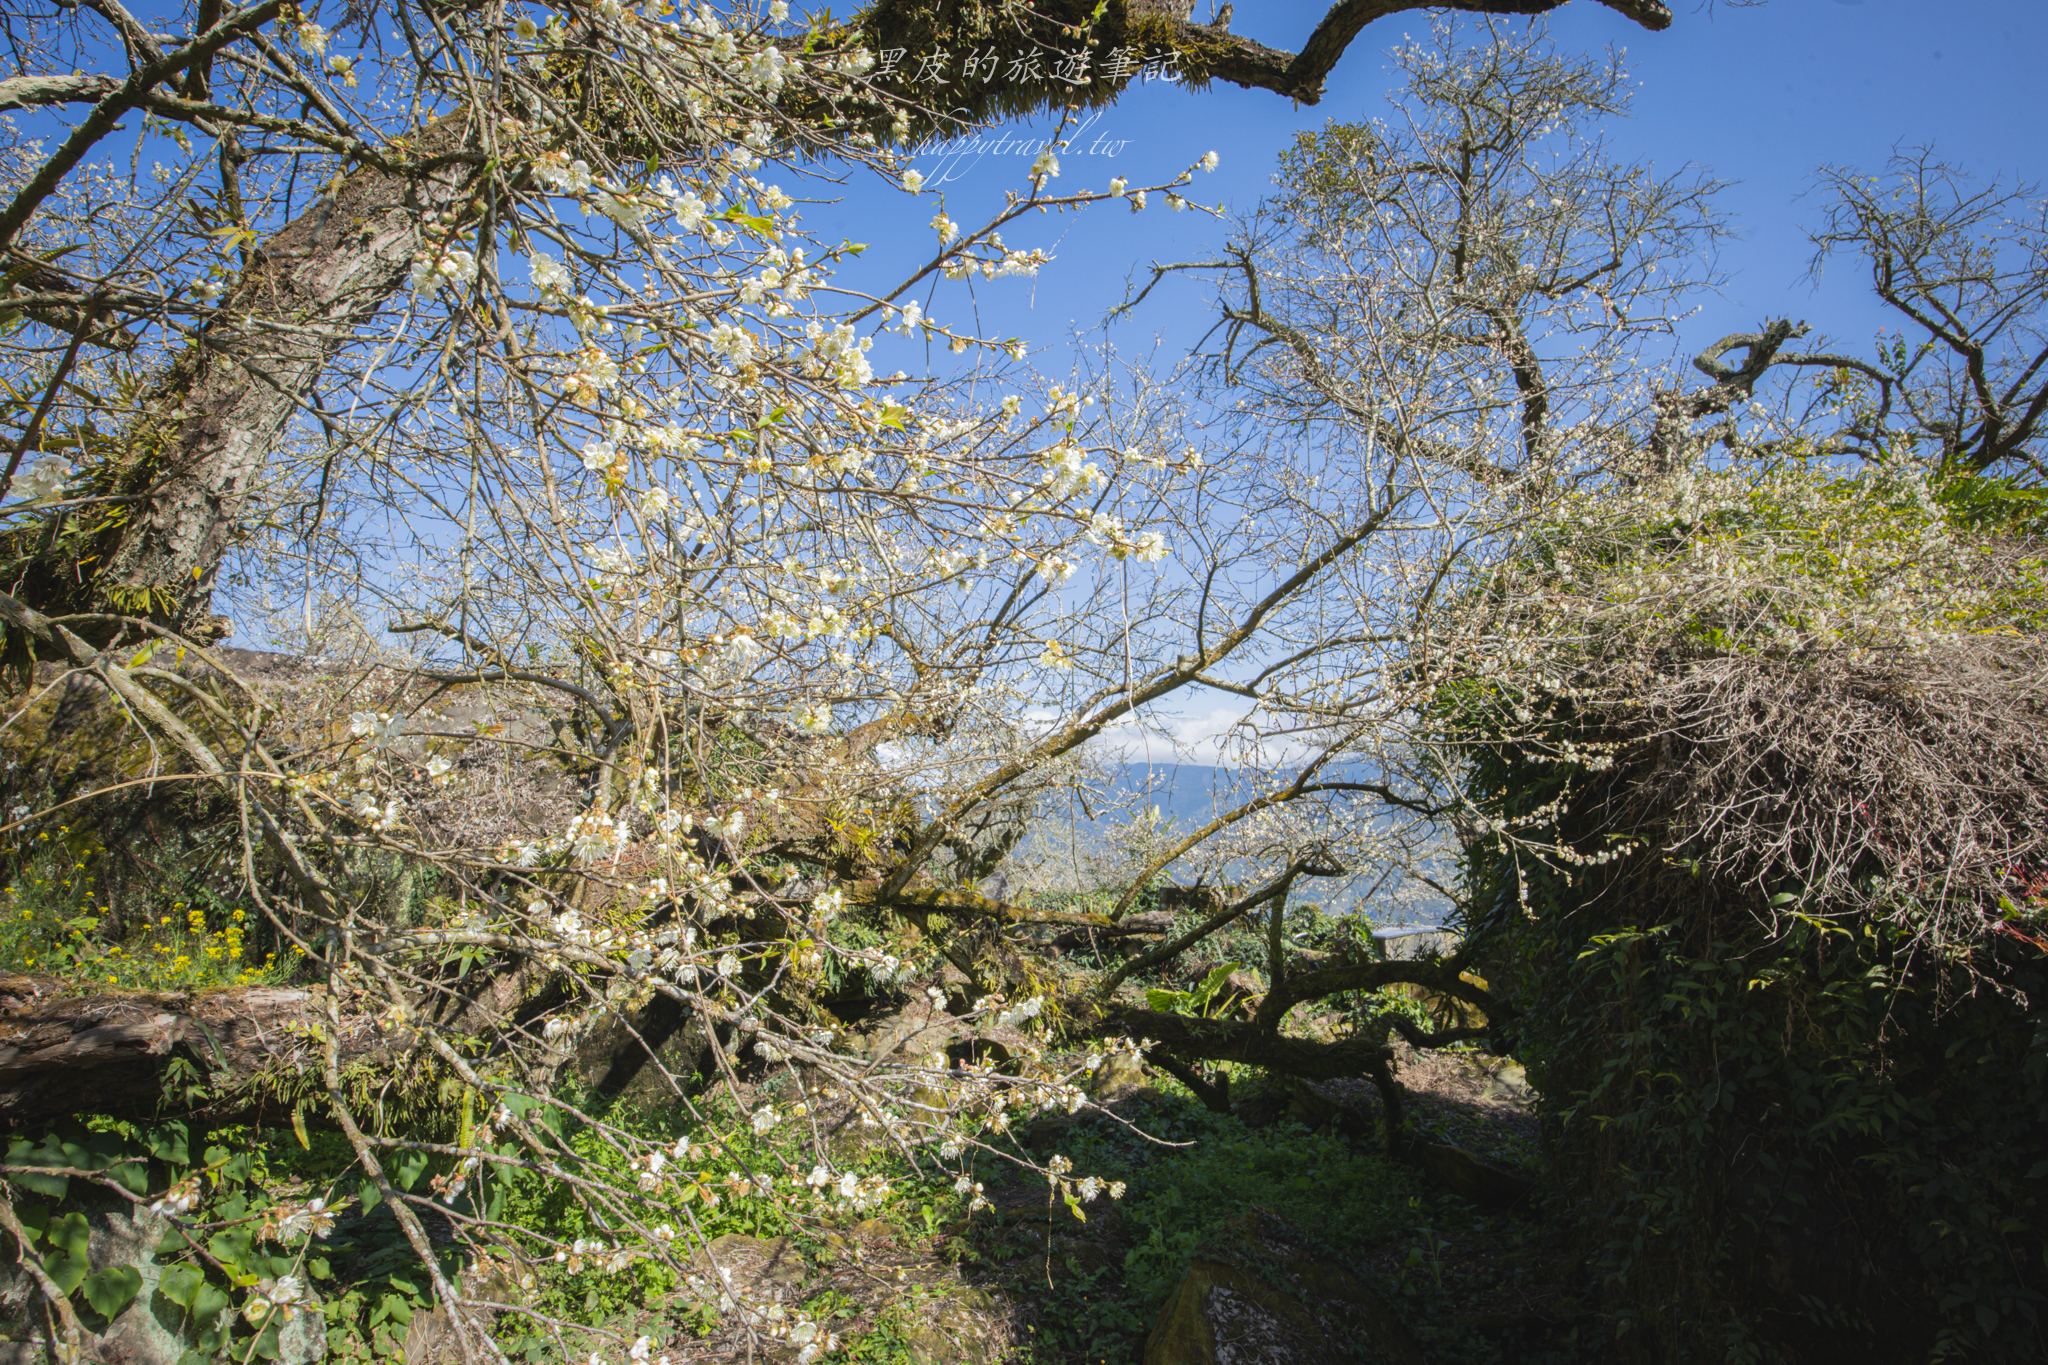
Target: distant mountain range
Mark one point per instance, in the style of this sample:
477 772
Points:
1077 835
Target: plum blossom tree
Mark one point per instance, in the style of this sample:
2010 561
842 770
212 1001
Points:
672 632
468 120
1453 329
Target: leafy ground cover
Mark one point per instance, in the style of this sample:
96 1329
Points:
1469 1283
276 1210
276 1206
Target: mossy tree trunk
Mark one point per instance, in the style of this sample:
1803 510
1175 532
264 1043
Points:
186 466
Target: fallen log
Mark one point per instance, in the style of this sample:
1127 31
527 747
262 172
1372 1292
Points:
64 1051
1236 1040
1149 924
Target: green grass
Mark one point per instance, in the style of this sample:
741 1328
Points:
1462 1280
1180 1199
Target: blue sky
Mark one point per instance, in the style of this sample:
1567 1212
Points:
1759 95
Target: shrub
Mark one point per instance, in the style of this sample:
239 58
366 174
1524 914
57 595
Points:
1756 861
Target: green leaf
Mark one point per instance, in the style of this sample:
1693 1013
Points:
209 1303
51 1186
35 1218
181 1284
68 1258
131 1175
395 1308
234 1249
112 1289
170 1143
407 1169
49 1151
90 1154
758 224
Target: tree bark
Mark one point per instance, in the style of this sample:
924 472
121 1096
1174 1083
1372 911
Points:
26 92
208 430
62 1053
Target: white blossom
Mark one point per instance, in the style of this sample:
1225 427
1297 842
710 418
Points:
44 479
549 275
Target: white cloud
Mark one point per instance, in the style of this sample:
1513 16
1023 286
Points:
1209 731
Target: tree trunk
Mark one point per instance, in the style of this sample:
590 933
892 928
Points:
206 433
63 1053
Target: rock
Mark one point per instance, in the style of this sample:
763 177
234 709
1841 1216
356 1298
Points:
854 1244
135 1336
911 1034
1119 1077
753 1270
635 1056
1488 1184
1221 1313
303 1340
1262 1296
128 1236
1508 1083
961 1327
